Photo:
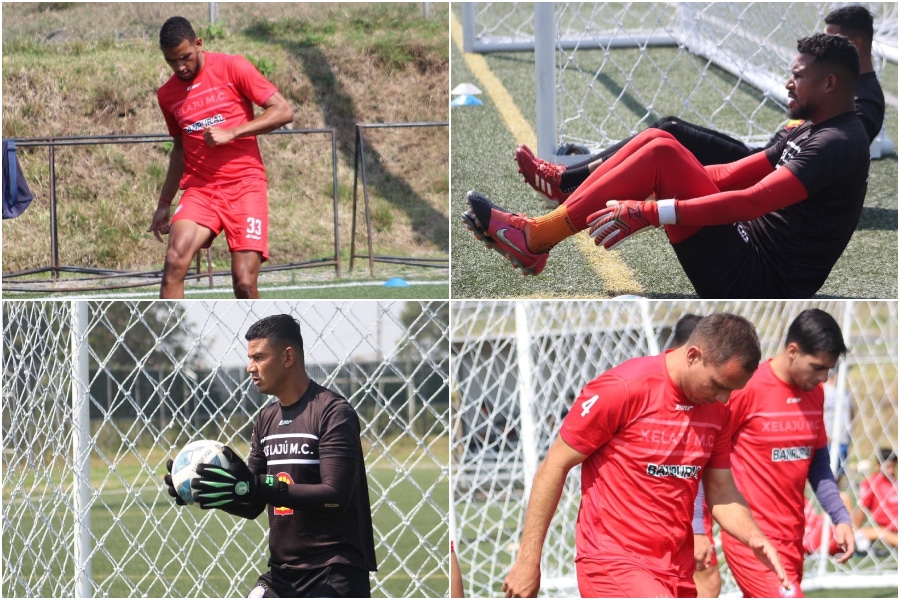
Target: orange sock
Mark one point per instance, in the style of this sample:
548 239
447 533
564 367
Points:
548 230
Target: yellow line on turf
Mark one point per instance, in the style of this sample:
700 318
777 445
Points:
615 274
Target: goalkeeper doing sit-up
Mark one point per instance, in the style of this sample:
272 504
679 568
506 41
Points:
556 182
771 225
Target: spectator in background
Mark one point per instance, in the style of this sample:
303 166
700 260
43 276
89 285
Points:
844 413
878 501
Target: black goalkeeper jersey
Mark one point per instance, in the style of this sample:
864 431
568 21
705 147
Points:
316 441
802 242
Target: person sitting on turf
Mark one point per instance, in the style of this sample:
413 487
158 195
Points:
771 225
878 501
556 182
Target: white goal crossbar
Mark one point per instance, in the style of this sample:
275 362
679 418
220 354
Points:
751 42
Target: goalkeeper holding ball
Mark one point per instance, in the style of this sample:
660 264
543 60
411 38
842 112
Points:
305 469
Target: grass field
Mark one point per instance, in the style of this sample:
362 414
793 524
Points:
482 158
145 546
421 284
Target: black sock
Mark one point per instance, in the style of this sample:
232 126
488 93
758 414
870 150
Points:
572 178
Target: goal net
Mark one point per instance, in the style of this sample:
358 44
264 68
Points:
98 395
617 67
518 366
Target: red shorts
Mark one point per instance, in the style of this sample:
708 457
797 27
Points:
620 579
754 578
241 209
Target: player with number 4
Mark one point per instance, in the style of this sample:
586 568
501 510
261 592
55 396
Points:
645 433
305 469
208 108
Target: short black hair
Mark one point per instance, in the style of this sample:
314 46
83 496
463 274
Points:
886 455
683 329
834 52
278 330
174 31
815 331
853 21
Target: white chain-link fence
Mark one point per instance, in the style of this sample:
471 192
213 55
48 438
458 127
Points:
97 396
517 367
621 66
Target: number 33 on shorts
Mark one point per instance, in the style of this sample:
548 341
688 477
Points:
254 228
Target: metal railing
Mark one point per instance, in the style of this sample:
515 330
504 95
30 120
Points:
153 277
359 168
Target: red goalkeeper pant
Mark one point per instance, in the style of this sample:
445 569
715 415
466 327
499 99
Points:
651 164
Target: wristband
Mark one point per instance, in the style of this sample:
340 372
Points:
666 209
164 201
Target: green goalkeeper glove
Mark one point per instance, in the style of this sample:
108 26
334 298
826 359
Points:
219 487
167 479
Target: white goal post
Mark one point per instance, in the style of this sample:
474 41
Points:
517 366
606 70
98 395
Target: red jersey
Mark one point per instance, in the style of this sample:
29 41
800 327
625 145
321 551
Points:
647 445
776 429
222 94
878 494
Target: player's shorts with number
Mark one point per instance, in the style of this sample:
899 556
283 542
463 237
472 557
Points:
240 208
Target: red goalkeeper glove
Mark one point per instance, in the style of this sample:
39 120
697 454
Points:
619 220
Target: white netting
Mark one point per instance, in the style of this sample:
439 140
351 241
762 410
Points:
119 387
501 428
621 66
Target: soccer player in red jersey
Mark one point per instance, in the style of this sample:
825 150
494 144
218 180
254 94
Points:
771 225
208 108
878 496
645 433
706 578
778 443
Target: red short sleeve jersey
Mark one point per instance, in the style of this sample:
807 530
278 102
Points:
878 494
776 429
222 94
647 446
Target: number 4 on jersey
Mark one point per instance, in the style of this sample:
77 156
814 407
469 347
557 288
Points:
587 404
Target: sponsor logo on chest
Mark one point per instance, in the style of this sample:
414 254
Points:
678 471
791 454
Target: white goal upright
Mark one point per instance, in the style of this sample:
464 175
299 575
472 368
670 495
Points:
516 368
98 395
606 70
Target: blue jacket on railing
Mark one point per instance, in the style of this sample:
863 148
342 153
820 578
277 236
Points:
16 194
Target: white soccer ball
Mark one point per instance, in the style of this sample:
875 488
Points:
184 467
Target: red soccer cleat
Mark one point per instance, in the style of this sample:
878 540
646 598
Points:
541 175
504 232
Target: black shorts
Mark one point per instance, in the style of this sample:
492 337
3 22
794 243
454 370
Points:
722 263
333 581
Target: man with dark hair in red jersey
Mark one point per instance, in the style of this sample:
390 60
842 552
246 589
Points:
208 107
778 443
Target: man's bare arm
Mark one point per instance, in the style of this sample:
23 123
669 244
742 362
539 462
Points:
159 224
730 510
276 113
524 579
